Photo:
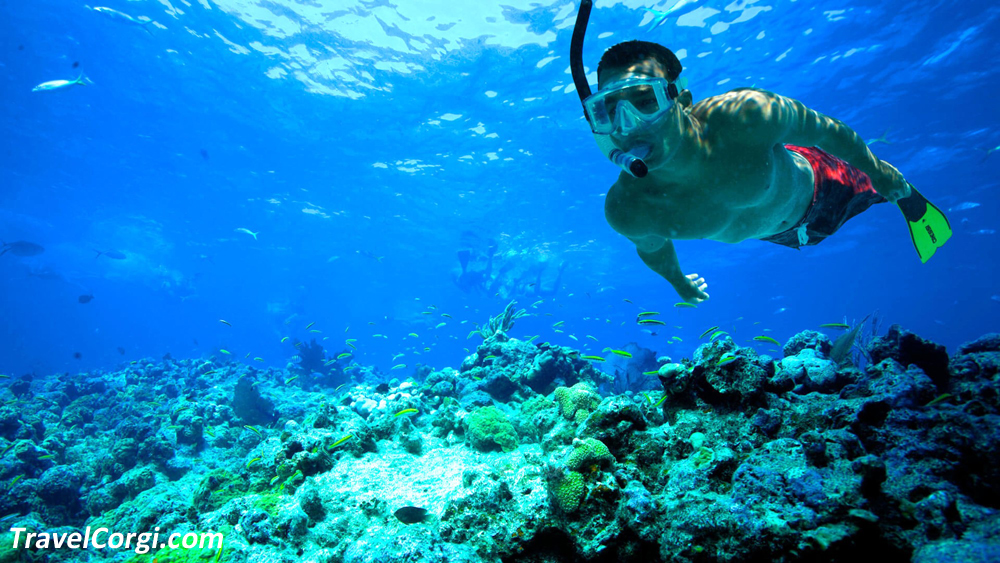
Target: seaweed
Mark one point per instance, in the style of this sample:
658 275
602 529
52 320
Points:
501 323
855 344
845 343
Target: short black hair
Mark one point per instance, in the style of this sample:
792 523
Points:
629 52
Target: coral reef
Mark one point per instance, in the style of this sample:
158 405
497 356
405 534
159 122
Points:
519 456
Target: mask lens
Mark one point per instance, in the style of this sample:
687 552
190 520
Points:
642 97
644 100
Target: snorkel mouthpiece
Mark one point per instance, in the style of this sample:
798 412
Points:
631 161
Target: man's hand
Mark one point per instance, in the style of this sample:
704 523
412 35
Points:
692 289
892 186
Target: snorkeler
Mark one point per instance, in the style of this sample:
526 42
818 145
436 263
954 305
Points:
536 288
747 164
476 267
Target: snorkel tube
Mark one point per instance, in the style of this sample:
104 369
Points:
630 162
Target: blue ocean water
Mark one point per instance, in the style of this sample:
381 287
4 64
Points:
369 143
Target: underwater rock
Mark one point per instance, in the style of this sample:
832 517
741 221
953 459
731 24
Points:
740 381
249 405
808 340
311 503
11 427
556 366
125 452
256 526
21 386
191 429
985 343
443 389
615 422
156 449
475 399
407 544
290 522
78 387
807 373
908 348
59 490
177 467
305 457
538 416
888 387
958 551
973 370
675 378
767 421
637 504
630 372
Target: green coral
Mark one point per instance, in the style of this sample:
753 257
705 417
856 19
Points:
179 555
589 452
703 457
218 488
535 405
269 503
577 402
570 491
489 427
502 323
7 553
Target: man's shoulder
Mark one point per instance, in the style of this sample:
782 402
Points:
735 103
737 113
618 207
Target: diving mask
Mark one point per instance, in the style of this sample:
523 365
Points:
628 104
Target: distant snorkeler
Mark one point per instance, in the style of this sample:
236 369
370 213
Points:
747 164
475 262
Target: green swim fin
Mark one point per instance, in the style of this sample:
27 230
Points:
929 228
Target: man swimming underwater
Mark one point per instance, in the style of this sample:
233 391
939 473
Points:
747 164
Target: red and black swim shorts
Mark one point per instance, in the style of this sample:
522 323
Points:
840 192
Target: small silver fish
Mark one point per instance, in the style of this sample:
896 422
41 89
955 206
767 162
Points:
248 231
113 254
81 80
123 17
660 17
882 139
964 206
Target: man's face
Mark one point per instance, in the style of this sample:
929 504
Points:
649 134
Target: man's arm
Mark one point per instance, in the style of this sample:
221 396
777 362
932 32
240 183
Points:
656 251
663 261
777 119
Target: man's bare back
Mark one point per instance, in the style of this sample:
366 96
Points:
739 189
